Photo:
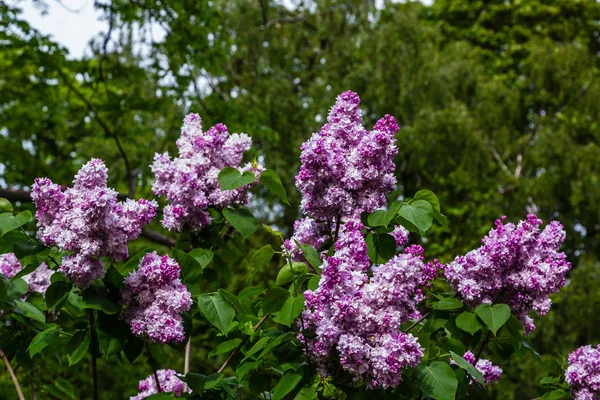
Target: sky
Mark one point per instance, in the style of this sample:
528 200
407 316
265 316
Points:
73 23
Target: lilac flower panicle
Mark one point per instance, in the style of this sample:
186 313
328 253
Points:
37 281
490 372
356 318
155 299
168 381
583 373
519 265
344 167
190 181
88 221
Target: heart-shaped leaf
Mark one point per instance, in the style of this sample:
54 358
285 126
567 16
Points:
493 316
231 179
468 322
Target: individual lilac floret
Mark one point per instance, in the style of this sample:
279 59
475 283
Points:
88 221
168 381
519 265
583 373
190 181
344 166
490 372
155 299
37 281
400 234
356 318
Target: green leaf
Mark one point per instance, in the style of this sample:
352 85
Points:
274 300
56 293
307 393
493 316
290 310
467 366
16 288
161 396
203 256
231 179
133 348
242 220
199 382
288 272
96 298
256 347
286 384
191 270
557 394
5 206
449 303
312 256
380 247
30 311
271 180
43 340
437 381
29 253
432 199
261 257
377 218
217 311
8 222
419 213
391 212
468 322
62 389
225 347
78 346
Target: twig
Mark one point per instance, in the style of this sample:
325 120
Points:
13 377
237 349
427 314
186 361
483 344
151 357
94 365
106 129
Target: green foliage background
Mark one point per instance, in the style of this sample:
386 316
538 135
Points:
498 102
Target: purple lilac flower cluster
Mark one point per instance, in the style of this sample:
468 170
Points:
491 373
519 265
88 221
38 280
155 299
357 318
190 181
583 373
168 381
344 166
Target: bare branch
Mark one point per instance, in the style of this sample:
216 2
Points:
107 131
13 377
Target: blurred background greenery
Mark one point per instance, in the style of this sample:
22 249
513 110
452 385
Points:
498 102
